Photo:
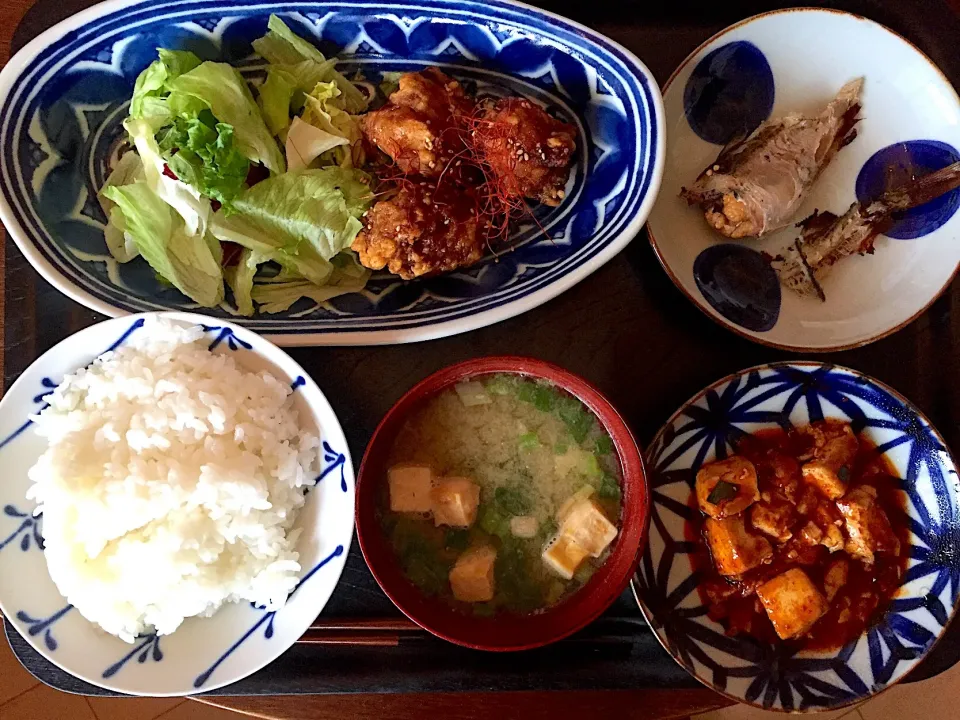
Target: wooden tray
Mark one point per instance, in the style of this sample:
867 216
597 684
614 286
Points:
626 329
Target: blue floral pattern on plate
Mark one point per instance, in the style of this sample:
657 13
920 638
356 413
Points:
63 111
785 395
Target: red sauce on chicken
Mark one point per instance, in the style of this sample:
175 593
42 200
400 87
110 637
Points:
823 502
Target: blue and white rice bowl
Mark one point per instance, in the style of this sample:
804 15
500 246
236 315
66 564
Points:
203 653
773 677
64 96
795 61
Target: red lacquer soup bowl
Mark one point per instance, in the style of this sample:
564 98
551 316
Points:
505 630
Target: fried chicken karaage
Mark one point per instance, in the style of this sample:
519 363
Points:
465 168
421 231
417 129
528 152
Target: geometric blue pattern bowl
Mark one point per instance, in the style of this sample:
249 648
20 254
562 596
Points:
203 653
64 96
785 395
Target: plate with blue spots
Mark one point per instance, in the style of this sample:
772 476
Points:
796 61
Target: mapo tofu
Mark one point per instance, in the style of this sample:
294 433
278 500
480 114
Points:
804 535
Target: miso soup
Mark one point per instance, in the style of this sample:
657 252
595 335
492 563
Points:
503 493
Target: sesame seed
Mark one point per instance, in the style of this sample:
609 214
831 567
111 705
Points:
716 168
561 194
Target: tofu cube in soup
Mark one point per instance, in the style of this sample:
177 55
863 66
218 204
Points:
868 527
410 487
472 576
455 501
727 487
792 602
588 527
832 454
735 550
563 555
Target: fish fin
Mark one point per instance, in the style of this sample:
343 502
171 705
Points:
808 271
921 190
816 223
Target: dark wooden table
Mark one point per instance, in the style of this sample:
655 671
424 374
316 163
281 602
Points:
626 328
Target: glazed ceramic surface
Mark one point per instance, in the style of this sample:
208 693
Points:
796 61
785 395
504 631
203 653
64 96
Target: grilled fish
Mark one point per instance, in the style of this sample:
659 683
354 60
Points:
756 184
825 238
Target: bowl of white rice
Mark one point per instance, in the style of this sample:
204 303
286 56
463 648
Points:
176 507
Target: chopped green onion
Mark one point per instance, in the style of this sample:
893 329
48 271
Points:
604 445
722 491
544 398
528 441
609 488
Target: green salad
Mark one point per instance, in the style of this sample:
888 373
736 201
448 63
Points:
216 164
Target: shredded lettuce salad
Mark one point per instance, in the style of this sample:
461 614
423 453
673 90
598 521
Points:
201 141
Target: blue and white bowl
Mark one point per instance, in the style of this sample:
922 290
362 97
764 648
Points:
795 61
784 395
63 97
203 653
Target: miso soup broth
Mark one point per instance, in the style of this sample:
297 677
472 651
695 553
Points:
503 493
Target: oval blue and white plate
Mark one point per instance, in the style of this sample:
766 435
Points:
64 96
203 653
773 677
795 61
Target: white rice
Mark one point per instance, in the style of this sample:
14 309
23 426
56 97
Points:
171 482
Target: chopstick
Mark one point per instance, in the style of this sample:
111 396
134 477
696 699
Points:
388 632
382 632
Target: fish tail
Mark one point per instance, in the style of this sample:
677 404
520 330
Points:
921 190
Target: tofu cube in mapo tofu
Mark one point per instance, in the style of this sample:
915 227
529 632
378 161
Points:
774 518
410 487
563 555
868 527
832 455
735 550
587 525
835 577
454 501
472 576
736 494
792 602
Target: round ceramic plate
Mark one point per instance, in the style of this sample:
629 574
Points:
773 676
64 96
203 653
796 61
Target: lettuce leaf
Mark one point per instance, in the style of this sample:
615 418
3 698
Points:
322 110
186 261
205 157
275 96
318 209
129 170
306 142
278 295
282 46
240 279
147 102
221 89
186 200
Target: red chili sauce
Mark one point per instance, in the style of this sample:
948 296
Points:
868 588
